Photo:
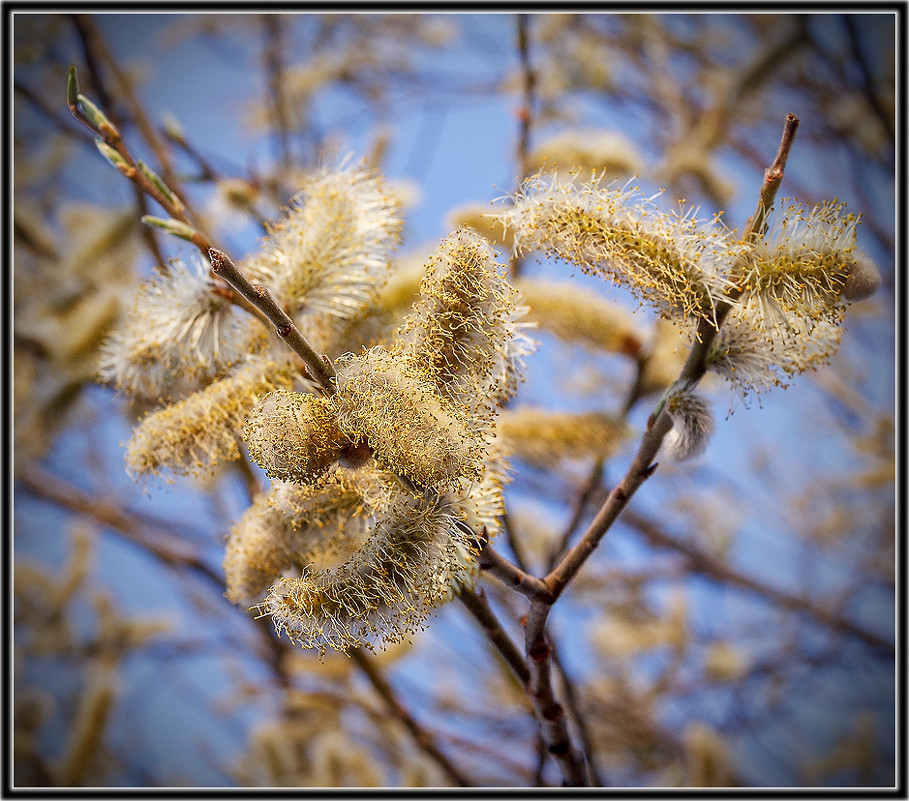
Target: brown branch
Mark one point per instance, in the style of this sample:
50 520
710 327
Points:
525 116
128 167
423 738
580 506
773 176
551 715
275 71
93 43
478 605
319 367
572 703
497 565
169 549
529 89
538 646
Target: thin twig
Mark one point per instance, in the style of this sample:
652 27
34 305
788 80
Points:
497 565
580 506
572 702
93 42
525 117
478 605
514 542
128 166
171 550
704 563
319 367
275 71
529 88
424 738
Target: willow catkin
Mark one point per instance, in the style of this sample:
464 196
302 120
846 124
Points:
464 331
675 262
289 527
576 314
412 429
421 549
326 260
202 430
604 152
806 267
179 335
542 437
692 425
294 436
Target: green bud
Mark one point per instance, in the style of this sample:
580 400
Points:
72 88
163 188
113 156
172 127
173 227
96 118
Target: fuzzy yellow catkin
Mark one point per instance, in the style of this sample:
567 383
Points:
542 437
806 266
293 436
326 260
673 261
421 549
202 430
464 331
291 526
575 314
412 429
587 151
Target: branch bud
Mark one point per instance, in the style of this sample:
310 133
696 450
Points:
155 180
72 89
173 227
115 158
97 119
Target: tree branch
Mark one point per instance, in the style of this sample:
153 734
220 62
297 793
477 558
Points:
478 605
422 737
259 297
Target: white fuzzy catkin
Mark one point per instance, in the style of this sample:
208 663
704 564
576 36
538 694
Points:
178 335
806 267
692 426
754 358
675 262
